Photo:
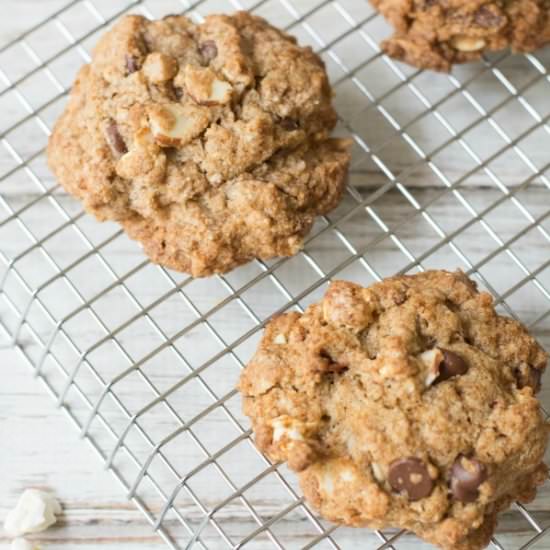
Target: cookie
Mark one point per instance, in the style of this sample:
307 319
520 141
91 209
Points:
435 34
209 143
408 404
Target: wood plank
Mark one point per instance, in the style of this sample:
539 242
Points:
43 450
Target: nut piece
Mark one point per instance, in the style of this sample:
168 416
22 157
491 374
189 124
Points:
432 358
205 87
442 364
175 125
377 472
159 67
464 43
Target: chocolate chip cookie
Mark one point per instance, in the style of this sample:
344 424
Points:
409 404
209 143
434 34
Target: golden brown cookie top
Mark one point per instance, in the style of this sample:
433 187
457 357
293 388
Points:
410 403
209 143
434 34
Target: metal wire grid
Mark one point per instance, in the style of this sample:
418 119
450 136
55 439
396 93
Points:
162 411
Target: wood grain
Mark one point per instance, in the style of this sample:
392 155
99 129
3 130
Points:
95 514
415 216
41 449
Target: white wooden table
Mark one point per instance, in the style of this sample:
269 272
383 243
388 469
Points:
34 455
40 448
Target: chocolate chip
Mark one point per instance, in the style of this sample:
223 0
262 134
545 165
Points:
178 92
289 124
208 50
410 476
486 18
452 365
467 474
132 64
531 379
115 139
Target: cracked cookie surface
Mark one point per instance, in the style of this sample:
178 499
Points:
435 34
409 404
209 143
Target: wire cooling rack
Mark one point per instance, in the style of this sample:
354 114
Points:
448 171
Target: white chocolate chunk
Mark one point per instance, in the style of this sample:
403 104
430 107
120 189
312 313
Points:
347 475
35 511
464 43
286 426
280 339
326 483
